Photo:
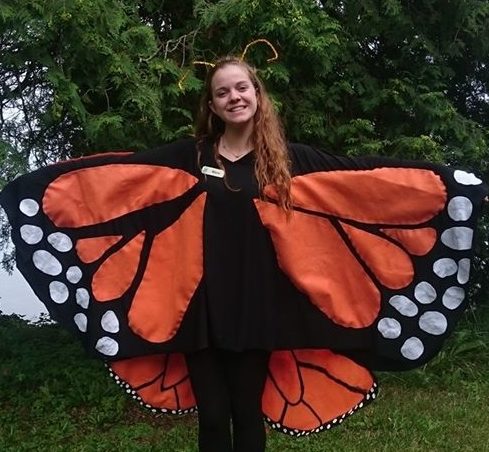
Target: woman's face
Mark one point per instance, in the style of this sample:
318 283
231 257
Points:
234 97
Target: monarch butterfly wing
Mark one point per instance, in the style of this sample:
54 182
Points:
84 231
382 246
159 382
308 391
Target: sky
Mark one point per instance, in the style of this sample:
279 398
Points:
16 297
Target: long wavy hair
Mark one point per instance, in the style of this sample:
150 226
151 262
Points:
272 163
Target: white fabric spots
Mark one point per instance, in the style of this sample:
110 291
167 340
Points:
433 323
109 322
82 298
445 267
81 322
46 262
453 297
404 305
29 207
465 178
412 348
389 328
73 274
463 270
457 238
60 241
459 208
31 234
424 292
107 346
58 292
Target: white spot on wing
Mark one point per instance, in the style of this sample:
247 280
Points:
31 234
46 262
453 297
433 323
404 305
81 322
464 178
459 208
412 348
29 207
107 346
82 297
445 267
389 328
58 292
60 242
457 238
109 322
463 270
424 292
73 274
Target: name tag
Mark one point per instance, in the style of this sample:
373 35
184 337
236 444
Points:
210 171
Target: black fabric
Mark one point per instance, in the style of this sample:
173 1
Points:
228 386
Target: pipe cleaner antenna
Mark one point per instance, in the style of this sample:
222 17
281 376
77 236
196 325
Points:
252 43
256 41
196 63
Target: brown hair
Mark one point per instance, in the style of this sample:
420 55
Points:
272 164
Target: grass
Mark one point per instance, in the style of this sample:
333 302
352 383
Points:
54 398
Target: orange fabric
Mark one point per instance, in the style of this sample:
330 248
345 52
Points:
289 382
416 241
407 195
116 274
165 291
272 401
316 267
323 399
94 195
177 370
390 264
166 377
92 248
338 366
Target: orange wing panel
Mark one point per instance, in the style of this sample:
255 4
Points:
333 388
316 267
92 248
407 195
95 195
390 264
116 274
418 242
146 376
173 272
289 383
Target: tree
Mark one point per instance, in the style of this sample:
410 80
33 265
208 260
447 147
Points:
392 77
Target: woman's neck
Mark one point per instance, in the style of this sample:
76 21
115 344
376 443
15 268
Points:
237 139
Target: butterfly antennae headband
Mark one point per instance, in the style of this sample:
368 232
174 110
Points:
242 57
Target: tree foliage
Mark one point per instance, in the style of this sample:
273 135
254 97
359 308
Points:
395 77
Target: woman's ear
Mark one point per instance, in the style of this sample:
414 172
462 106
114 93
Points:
211 106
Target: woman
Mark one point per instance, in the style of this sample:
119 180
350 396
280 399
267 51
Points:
238 120
282 274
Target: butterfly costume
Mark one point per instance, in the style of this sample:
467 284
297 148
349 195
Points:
146 258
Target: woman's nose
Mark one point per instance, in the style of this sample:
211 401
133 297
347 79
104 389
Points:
234 95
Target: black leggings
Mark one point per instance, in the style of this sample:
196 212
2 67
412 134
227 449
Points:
229 385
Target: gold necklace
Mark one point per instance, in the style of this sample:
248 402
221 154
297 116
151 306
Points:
229 151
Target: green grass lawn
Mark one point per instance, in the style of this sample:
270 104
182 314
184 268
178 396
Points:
54 398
